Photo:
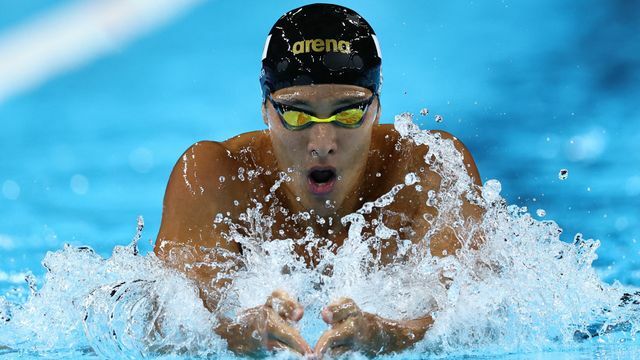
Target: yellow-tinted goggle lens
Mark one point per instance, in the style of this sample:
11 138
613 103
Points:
350 116
347 117
296 118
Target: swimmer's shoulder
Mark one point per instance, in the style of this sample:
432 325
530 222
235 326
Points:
236 149
467 158
247 142
385 138
205 163
387 134
252 150
195 169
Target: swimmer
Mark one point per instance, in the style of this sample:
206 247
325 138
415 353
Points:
321 78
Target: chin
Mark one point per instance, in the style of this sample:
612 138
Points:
328 205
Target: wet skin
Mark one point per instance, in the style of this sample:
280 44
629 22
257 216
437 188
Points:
188 237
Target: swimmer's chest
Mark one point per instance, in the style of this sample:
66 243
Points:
386 229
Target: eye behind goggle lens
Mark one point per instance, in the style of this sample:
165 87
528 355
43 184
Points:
296 118
350 116
347 117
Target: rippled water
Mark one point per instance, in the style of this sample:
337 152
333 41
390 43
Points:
524 291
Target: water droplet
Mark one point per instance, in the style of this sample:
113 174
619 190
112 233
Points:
431 198
418 188
491 190
221 178
577 238
378 174
439 118
297 198
541 212
79 184
218 219
10 189
410 179
236 202
424 111
31 281
563 174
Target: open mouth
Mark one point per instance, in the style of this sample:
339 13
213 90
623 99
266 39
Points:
321 180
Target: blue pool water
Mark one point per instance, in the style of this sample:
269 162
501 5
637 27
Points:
530 87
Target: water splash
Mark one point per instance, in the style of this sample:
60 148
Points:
563 174
523 290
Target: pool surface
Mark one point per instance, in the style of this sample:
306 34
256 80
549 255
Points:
530 87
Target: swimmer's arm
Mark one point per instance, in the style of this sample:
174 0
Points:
265 327
354 329
189 242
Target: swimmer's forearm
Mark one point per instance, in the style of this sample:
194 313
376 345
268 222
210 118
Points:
265 327
399 335
354 329
238 336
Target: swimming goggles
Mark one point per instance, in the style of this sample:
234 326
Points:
350 116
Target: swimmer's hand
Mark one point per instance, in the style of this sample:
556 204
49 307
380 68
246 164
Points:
266 328
355 330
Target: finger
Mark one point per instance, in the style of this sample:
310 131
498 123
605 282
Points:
340 335
339 310
286 334
285 306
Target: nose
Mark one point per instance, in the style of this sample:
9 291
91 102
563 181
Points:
322 141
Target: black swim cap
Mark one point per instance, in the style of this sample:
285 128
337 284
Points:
321 44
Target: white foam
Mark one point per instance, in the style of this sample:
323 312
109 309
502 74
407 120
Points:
523 290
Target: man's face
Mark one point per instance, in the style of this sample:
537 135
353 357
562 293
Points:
327 161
